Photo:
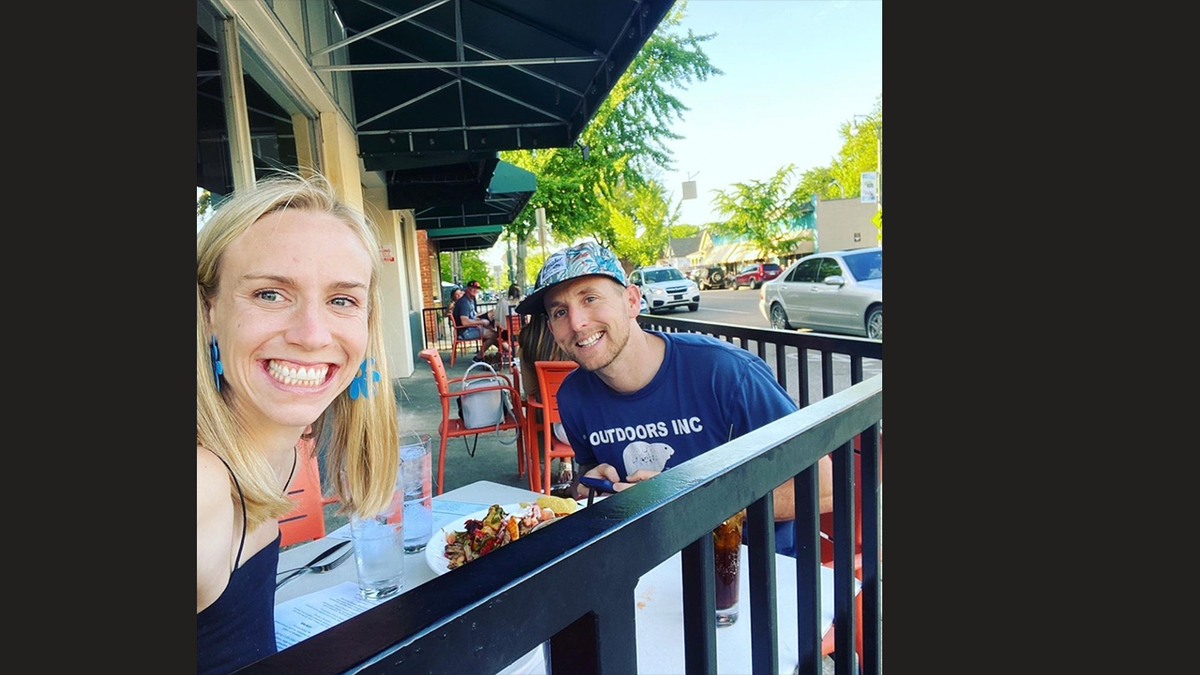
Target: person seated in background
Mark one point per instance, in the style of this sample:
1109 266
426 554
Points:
449 311
471 325
536 343
454 296
505 305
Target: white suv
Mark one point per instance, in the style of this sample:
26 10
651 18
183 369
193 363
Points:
664 287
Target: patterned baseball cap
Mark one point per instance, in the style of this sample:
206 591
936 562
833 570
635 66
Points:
571 263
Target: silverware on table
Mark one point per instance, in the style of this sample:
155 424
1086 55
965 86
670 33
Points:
312 564
317 569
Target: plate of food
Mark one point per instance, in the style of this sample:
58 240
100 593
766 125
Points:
479 533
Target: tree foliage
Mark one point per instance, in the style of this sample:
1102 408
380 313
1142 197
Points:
640 218
627 142
763 211
473 267
862 142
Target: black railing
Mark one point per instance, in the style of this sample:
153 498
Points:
574 586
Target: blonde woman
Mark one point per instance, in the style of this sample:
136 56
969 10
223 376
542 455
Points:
288 334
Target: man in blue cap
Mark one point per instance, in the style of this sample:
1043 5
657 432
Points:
644 401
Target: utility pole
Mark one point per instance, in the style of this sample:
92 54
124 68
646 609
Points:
540 214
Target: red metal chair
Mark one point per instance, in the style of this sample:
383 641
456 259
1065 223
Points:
508 347
550 377
457 343
306 522
827 518
826 541
452 427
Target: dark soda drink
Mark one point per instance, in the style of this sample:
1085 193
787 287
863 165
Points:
727 543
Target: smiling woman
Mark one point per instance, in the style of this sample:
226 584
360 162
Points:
287 328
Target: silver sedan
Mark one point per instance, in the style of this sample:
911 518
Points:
832 292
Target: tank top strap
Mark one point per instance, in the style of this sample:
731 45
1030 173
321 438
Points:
237 561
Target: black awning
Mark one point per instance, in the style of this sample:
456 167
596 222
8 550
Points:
439 179
477 224
507 194
484 75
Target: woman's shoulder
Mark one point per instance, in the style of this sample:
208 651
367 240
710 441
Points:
212 481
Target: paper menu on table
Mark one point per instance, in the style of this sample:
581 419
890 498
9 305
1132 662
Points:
307 615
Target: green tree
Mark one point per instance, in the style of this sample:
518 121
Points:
473 267
627 142
639 218
861 151
762 211
203 202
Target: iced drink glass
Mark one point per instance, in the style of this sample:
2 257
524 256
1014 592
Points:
379 550
727 548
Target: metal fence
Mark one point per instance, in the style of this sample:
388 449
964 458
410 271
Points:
520 597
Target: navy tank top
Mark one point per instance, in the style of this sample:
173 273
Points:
239 628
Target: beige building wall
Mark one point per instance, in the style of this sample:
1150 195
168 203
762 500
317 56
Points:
396 338
844 224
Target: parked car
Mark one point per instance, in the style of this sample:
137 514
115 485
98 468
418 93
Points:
664 287
833 292
753 275
709 276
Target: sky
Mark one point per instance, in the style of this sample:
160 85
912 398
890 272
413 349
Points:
795 70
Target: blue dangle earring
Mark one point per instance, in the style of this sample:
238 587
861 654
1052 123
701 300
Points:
362 384
216 361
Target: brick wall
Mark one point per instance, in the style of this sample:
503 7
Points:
431 280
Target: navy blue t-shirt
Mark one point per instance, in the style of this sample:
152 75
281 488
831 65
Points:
705 393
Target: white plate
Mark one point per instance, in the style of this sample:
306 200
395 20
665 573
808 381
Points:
435 551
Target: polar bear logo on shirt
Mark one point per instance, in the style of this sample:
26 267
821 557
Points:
643 455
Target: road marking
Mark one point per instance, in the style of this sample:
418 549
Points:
727 311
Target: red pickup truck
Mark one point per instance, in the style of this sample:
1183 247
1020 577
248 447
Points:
755 274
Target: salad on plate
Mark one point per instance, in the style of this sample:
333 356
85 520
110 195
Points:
485 531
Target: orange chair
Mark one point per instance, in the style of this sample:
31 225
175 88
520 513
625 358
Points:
508 348
550 377
451 427
457 343
827 518
826 543
522 458
306 522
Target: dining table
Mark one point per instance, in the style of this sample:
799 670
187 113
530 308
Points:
313 602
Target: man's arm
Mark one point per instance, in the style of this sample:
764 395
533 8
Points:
784 496
764 401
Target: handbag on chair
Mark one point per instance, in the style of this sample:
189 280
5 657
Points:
484 408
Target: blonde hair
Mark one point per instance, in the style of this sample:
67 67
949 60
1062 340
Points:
362 455
535 342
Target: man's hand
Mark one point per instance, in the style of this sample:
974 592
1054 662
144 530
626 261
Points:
609 472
